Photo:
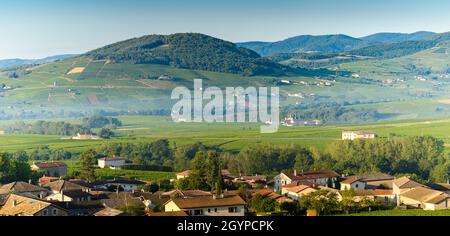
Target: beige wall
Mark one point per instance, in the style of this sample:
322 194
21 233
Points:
221 211
355 185
51 211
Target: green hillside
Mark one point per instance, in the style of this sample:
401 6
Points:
188 51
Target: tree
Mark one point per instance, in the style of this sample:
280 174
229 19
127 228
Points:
441 173
6 168
262 205
106 133
323 201
87 163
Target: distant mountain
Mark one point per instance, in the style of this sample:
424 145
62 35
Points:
396 37
306 43
331 43
18 62
188 51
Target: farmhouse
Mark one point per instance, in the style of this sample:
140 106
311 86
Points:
425 198
322 177
208 206
66 186
70 196
2 132
86 137
252 181
17 205
370 181
353 135
127 185
404 184
52 169
296 192
381 195
111 162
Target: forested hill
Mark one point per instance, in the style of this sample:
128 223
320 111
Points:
189 51
306 43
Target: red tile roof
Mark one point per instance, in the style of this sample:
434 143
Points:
50 165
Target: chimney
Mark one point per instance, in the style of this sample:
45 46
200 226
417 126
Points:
14 203
303 172
29 181
295 172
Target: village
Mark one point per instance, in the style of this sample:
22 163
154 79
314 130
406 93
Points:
55 195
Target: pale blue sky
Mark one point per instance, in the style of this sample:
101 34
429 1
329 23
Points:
34 29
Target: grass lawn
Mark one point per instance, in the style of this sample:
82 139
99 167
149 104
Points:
404 213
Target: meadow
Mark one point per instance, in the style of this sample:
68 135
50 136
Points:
404 213
231 137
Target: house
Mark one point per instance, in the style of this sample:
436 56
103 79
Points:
384 196
65 185
53 169
2 132
66 191
70 196
18 205
353 183
370 181
86 137
127 185
252 181
353 135
208 206
123 200
113 162
296 192
425 198
322 177
404 184
183 174
24 188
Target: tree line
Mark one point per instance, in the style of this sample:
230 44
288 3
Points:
65 128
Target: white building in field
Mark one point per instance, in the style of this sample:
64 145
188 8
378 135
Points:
109 162
353 135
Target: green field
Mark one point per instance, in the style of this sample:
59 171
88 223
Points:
404 213
231 137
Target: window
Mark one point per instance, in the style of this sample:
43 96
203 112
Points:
356 185
215 210
45 212
55 212
209 210
232 210
198 212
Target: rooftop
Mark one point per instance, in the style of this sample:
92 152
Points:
20 187
50 165
313 175
24 206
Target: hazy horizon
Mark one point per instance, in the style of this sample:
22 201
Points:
38 29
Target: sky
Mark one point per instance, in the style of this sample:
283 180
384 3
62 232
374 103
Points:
35 29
